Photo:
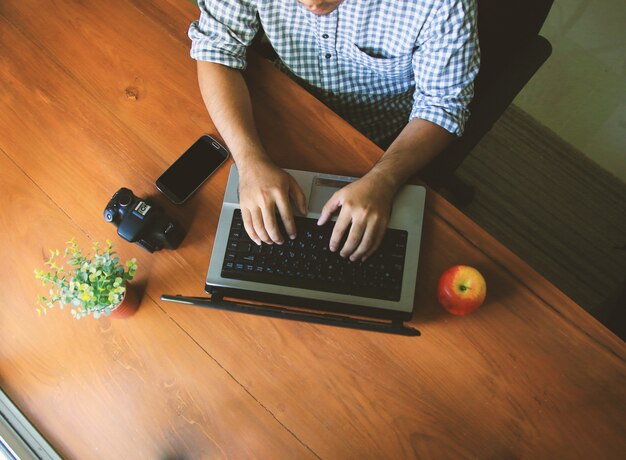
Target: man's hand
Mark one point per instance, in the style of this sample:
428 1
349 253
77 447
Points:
265 189
365 208
366 203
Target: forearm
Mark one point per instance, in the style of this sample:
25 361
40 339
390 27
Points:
416 145
227 100
264 189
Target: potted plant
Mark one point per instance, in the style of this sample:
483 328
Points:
90 284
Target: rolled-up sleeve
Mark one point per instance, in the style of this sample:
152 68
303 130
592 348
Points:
223 32
445 63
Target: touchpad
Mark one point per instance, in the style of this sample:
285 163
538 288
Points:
322 189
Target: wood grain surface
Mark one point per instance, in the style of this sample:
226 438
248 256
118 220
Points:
99 95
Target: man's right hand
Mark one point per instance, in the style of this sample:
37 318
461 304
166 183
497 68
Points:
264 189
264 196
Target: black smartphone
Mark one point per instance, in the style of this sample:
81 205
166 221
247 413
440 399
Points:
191 169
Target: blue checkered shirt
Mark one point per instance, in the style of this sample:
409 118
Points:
376 63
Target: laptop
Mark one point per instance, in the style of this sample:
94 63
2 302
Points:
302 279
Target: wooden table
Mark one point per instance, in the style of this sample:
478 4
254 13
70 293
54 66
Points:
99 95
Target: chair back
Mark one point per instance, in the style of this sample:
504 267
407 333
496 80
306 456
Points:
504 28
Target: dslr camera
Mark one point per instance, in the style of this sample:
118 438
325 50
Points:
142 222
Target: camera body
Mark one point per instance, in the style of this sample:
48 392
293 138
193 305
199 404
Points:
142 222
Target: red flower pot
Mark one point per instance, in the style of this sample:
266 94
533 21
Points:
129 304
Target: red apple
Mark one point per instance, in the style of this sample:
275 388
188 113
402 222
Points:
461 289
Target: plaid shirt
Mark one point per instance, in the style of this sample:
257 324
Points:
376 63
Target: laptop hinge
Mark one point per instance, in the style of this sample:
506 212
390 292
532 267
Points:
217 294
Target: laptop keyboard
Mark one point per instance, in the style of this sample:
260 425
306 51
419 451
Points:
306 262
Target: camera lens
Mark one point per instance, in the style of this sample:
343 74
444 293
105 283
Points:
108 215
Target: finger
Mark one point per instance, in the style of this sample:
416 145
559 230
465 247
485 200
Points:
271 226
247 224
286 215
328 210
355 236
343 221
368 240
377 240
298 197
259 226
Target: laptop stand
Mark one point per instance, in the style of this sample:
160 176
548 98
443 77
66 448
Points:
217 301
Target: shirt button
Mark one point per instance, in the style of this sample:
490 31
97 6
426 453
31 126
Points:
325 36
328 56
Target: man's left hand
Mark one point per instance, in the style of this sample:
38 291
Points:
365 207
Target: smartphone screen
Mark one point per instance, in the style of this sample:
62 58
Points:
191 169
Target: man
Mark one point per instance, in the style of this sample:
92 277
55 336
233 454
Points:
401 71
